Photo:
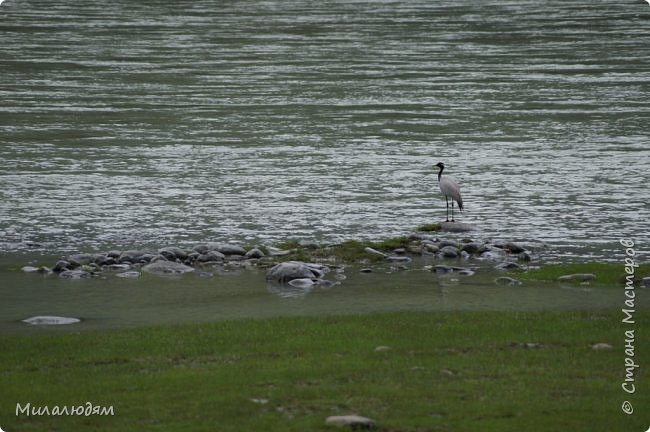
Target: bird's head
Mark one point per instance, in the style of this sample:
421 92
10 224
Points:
440 165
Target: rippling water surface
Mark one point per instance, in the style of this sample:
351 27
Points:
128 123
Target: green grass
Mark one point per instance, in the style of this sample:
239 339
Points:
607 274
448 371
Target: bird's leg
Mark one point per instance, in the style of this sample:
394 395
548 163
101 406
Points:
452 211
447 199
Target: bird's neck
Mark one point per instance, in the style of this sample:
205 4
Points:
440 174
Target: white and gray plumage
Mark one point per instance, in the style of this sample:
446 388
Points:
450 189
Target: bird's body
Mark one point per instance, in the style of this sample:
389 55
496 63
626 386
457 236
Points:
450 189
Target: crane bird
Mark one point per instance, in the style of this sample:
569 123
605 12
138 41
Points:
450 189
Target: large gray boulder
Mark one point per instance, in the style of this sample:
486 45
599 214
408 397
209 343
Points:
167 268
287 271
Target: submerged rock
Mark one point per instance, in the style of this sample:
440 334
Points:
32 269
129 274
166 268
505 280
645 282
301 283
51 320
577 277
75 274
509 266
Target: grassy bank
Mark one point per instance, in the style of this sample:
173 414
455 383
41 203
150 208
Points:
460 371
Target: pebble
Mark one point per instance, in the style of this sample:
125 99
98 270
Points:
381 348
354 421
51 320
601 346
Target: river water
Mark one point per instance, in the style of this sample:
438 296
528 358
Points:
158 122
143 124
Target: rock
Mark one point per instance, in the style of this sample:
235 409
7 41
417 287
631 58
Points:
133 256
32 269
118 267
103 260
441 269
114 254
645 282
80 259
172 253
524 257
129 274
273 251
601 346
211 256
577 277
374 252
301 283
254 254
167 268
505 280
287 271
471 248
75 274
365 270
353 421
466 272
399 259
449 252
201 248
430 247
444 243
492 254
325 283
511 247
508 266
226 249
51 320
61 265
381 348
